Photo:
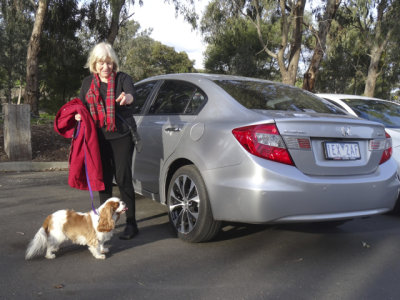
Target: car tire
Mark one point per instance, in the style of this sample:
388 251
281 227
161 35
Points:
189 207
396 208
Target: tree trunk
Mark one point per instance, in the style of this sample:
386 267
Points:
116 6
382 35
373 69
32 60
324 25
297 41
373 72
287 65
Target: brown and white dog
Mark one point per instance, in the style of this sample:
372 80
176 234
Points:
81 228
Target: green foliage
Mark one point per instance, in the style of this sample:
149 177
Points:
169 61
389 79
346 62
345 67
142 57
233 44
44 118
62 57
15 28
95 22
138 59
102 20
149 58
126 39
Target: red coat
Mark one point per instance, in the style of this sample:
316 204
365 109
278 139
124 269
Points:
85 146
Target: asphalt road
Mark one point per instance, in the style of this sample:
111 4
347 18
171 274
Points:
358 260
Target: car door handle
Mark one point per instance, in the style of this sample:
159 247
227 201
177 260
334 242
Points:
173 129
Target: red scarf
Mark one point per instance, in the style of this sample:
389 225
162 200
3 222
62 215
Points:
96 103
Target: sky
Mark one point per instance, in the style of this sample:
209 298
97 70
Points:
172 30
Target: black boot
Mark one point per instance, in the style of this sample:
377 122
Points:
129 232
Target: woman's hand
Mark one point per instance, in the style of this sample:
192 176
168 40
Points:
78 117
124 99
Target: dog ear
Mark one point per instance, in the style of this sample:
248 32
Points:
106 223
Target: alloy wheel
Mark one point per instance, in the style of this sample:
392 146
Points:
184 204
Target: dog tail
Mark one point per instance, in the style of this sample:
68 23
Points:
37 245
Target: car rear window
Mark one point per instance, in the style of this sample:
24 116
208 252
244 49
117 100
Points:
272 96
383 112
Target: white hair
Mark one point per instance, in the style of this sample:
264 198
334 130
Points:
102 52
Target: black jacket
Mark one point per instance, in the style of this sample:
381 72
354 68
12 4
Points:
123 83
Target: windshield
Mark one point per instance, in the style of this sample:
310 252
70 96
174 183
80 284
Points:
273 96
387 113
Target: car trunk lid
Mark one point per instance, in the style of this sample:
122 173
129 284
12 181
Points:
330 146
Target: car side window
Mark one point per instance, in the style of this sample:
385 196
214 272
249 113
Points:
142 92
178 97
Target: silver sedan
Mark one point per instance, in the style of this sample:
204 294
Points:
223 148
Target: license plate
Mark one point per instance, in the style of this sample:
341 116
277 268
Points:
342 151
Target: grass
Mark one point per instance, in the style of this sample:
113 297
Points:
44 118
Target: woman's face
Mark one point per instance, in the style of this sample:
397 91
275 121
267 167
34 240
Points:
104 68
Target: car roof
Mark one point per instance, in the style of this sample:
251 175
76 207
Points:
206 76
201 75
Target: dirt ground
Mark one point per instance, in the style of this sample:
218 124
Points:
47 145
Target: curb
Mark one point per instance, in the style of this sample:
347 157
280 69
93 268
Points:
28 166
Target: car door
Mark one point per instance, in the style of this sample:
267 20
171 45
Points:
174 108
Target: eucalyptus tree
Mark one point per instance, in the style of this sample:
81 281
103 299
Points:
116 7
15 26
126 39
105 17
140 56
324 14
390 80
32 60
138 59
346 61
377 22
62 55
133 48
168 60
233 45
289 15
282 46
342 71
294 30
362 46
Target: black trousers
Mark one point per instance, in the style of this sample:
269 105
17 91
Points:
116 157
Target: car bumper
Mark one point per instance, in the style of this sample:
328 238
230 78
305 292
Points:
269 192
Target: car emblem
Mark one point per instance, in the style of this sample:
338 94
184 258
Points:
345 131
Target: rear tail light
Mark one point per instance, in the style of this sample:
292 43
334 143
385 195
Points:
385 145
263 141
387 153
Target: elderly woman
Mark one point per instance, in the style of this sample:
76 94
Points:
108 95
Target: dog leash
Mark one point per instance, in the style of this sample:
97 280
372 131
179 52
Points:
86 171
